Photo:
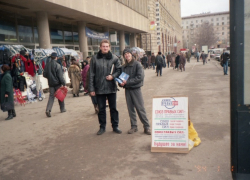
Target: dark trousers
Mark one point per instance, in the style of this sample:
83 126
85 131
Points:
101 100
52 91
159 68
168 63
94 100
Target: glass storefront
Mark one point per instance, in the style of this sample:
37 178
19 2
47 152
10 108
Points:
24 26
8 30
23 30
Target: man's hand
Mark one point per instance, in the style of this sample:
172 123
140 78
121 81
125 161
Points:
92 93
109 77
123 83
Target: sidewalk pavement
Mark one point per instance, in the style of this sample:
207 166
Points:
65 146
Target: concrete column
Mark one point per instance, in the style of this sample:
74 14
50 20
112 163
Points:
43 30
83 40
122 41
132 39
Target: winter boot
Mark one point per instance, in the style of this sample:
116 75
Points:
10 115
13 112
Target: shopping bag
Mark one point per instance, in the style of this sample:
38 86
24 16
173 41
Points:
61 93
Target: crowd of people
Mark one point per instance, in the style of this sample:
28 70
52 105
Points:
97 76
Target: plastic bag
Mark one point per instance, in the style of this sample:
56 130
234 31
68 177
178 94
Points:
61 93
193 135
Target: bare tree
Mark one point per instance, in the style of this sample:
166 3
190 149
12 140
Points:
205 35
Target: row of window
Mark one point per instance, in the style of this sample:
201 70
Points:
223 33
212 19
201 25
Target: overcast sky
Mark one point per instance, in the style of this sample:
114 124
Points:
189 7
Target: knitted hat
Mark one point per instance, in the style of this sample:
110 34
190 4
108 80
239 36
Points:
127 50
54 54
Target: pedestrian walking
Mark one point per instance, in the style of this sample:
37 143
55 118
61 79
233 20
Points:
153 60
164 61
75 77
188 56
208 56
173 60
54 74
133 92
84 76
203 57
224 58
6 90
159 62
182 62
104 68
198 56
144 61
177 62
93 98
169 58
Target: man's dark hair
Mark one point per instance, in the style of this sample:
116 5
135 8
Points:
53 57
159 53
5 68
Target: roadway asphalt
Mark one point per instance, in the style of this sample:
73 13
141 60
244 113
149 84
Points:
66 147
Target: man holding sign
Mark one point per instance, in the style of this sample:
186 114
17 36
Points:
104 68
133 93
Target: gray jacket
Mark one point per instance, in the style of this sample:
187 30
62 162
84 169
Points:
159 60
100 67
136 74
53 72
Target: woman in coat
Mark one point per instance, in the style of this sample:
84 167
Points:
84 75
75 77
6 90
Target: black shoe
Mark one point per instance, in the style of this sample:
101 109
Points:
101 131
10 116
48 114
117 130
77 95
13 112
74 95
63 110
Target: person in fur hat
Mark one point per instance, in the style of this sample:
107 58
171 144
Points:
75 77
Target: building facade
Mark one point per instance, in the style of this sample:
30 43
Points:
164 27
57 23
220 22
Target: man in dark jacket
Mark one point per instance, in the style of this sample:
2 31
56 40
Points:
160 62
104 68
153 60
144 61
203 57
53 72
224 58
133 92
